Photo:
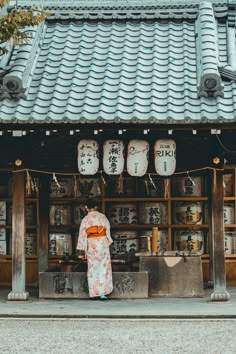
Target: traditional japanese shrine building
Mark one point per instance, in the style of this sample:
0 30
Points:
122 70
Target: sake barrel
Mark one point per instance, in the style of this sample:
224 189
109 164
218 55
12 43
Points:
88 157
228 185
3 247
60 214
145 240
152 213
189 241
30 214
229 238
3 212
188 187
30 243
123 214
189 213
113 157
79 213
60 244
229 213
137 157
124 242
64 188
88 187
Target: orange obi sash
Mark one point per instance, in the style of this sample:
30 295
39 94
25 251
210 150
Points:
96 231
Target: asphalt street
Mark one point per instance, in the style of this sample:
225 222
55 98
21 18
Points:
65 336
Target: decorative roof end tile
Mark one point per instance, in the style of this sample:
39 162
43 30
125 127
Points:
14 79
209 79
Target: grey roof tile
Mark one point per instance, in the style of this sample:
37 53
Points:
121 71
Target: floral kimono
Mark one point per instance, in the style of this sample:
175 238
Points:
96 246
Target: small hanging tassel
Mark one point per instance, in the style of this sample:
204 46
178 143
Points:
120 185
214 179
166 188
151 181
55 180
146 187
103 179
28 183
190 179
75 186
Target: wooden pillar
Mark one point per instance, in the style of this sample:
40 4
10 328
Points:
18 238
44 191
219 277
210 282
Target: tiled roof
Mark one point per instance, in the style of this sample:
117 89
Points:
125 9
121 71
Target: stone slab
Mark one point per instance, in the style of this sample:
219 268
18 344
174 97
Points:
73 285
174 276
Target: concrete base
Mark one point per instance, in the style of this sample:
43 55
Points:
18 296
222 295
173 276
61 285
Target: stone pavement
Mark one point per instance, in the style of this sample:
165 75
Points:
158 307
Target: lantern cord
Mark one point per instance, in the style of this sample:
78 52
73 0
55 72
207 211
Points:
222 145
190 179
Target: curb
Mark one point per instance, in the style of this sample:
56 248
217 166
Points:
119 317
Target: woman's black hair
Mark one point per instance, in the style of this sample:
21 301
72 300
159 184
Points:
90 204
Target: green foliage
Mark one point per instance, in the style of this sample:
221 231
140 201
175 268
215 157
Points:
12 23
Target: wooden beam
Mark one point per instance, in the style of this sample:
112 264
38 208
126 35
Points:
18 238
219 277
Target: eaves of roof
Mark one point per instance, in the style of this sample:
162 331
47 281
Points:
125 9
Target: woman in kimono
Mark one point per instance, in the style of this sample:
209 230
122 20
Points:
95 239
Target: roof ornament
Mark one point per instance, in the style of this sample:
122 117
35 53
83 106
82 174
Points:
209 79
14 79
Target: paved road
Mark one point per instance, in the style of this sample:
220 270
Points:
67 336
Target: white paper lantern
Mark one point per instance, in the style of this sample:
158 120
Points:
113 157
88 157
137 157
165 157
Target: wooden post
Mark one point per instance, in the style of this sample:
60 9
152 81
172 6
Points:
154 239
44 191
18 238
219 277
210 283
